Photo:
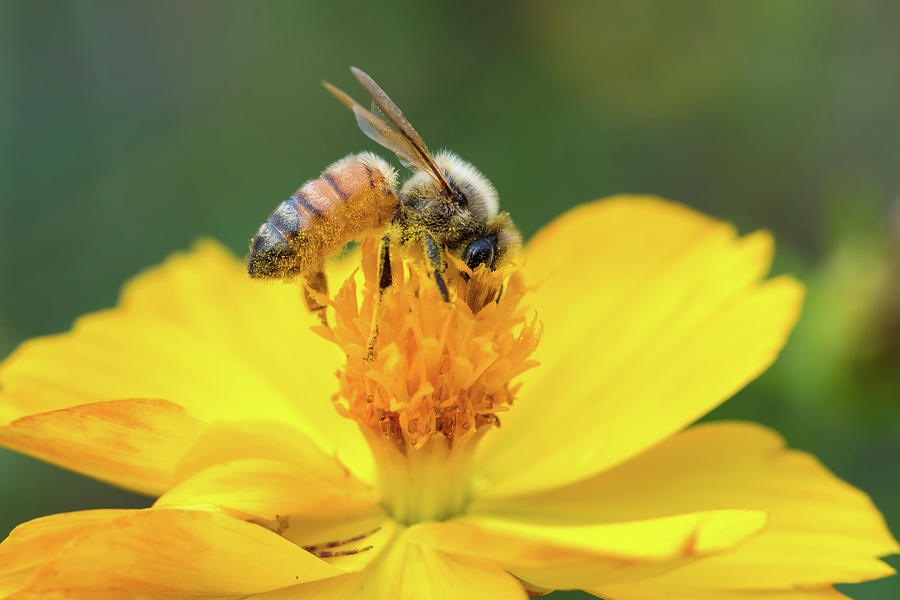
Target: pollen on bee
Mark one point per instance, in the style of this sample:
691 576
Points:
440 369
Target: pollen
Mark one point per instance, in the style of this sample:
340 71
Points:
440 369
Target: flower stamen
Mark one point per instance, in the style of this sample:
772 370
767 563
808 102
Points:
439 377
335 544
336 553
440 369
324 550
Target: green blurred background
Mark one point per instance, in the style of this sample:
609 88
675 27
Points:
127 130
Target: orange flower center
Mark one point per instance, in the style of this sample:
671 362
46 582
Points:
441 373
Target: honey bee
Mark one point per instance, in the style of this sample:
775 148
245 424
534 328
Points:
447 205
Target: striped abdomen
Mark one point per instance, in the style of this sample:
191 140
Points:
352 197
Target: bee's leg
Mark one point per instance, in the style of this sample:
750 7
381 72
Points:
384 282
434 254
317 282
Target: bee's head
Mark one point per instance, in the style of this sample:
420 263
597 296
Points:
473 204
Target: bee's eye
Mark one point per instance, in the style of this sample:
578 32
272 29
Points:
480 252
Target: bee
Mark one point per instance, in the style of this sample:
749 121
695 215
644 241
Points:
352 198
446 205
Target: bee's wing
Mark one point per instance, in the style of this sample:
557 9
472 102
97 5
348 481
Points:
373 108
389 108
379 131
399 120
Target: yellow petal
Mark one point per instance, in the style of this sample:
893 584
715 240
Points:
196 331
273 475
266 325
409 571
653 314
33 544
272 490
820 530
174 554
225 441
329 511
132 443
569 557
643 591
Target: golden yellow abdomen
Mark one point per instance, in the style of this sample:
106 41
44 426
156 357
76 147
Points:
353 197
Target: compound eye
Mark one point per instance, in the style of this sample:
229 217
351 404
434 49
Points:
480 252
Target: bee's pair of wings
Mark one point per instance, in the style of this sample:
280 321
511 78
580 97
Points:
404 141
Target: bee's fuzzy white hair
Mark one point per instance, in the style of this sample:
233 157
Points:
371 160
451 162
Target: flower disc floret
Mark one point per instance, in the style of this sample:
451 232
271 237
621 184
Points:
439 369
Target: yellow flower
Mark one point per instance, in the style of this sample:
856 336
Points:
278 479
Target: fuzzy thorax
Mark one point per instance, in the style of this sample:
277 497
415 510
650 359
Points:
441 375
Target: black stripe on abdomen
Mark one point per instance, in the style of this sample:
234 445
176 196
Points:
304 203
329 179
